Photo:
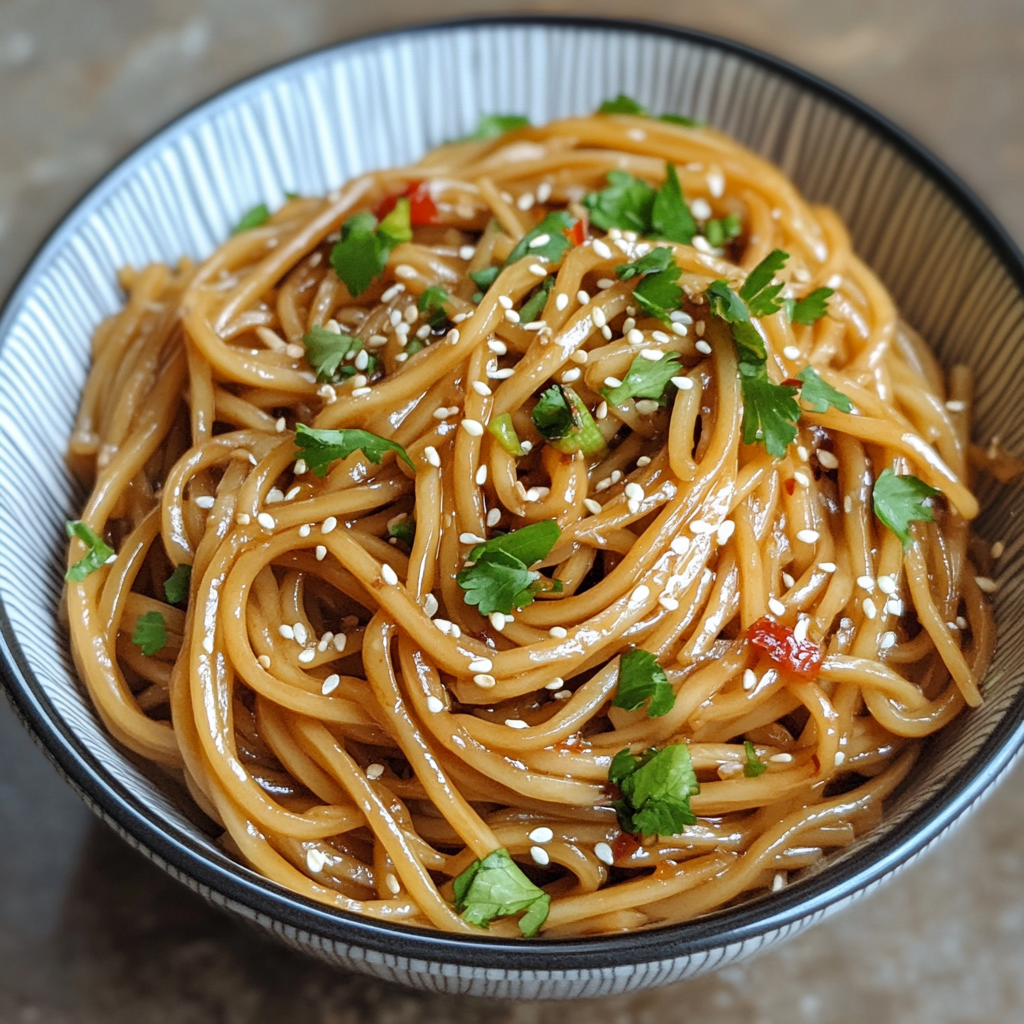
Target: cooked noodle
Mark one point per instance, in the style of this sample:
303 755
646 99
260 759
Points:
363 741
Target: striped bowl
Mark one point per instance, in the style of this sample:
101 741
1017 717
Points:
309 125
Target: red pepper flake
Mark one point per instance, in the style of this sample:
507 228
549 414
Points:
790 485
625 846
577 234
422 209
571 744
801 657
792 382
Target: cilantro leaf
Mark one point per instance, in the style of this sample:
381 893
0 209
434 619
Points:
404 529
252 219
724 303
555 244
685 122
819 395
670 216
644 379
657 259
658 294
491 126
623 104
97 555
498 582
626 203
656 789
811 307
641 678
900 501
770 411
534 305
362 252
150 633
176 585
320 448
754 766
552 415
529 545
758 292
718 232
432 304
326 350
496 887
483 279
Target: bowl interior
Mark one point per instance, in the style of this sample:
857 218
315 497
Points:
314 123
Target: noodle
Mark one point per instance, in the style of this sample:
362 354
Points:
321 674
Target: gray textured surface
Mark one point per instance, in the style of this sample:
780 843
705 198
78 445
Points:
90 932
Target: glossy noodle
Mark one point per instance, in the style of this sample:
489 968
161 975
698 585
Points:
390 701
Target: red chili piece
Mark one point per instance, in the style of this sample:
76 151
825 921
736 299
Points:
624 846
422 209
802 657
576 234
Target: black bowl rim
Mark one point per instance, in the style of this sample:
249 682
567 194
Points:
785 911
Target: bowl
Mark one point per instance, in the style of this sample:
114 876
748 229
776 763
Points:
307 126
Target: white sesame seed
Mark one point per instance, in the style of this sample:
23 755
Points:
430 454
803 624
541 835
501 374
776 606
280 424
315 861
571 375
204 501
955 405
640 594
330 684
839 758
866 583
827 566
716 183
484 680
543 191
826 459
600 320
266 520
525 201
986 585
321 552
392 883
493 516
305 530
559 632
894 606
511 316
292 494
481 475
561 301
264 661
404 272
208 644
634 490
781 758
497 620
389 574
779 881
359 392
869 607
592 506
300 633
582 297
808 536
434 705
537 270
725 531
601 411
997 550
670 604
701 244
749 679
374 771
603 852
274 495
612 382
683 383
307 655
556 684
887 640
516 723
505 302
962 622
243 519
480 665
698 526
791 352
787 579
430 606
472 427
471 538
703 347
536 243
802 478
467 252
286 631
602 249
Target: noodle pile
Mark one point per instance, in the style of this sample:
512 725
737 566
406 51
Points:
364 734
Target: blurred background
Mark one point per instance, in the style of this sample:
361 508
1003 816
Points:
89 930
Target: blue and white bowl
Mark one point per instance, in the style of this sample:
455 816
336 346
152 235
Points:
308 126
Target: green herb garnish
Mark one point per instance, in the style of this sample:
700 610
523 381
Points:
150 633
496 887
177 584
645 379
900 501
403 529
362 253
812 307
98 553
564 421
819 395
718 232
552 229
534 305
656 788
252 219
433 305
754 766
491 126
642 679
321 448
327 350
504 432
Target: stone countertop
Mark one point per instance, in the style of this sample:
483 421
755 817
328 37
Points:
90 931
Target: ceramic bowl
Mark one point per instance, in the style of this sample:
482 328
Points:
309 125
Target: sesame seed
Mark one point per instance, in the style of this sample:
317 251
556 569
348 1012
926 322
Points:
640 594
525 201
701 244
670 604
543 191
808 536
826 459
603 852
606 333
299 633
392 883
502 374
635 337
787 579
208 644
304 530
802 478
540 856
389 574
471 538
331 683
776 606
493 515
894 606
955 405
315 861
749 679
698 526
430 606
866 583
556 684
683 383
266 520
561 301
374 771
434 705
779 881
537 269
430 454
541 835
725 531
612 382
581 356
321 552
602 249
827 566
243 519
404 272
292 493
592 506
839 758
204 501
286 631
716 183
516 723
563 695
484 680
997 550
467 252
703 347
601 411
781 758
600 320
359 392
791 352
480 665
571 375
536 243
307 656
803 624
986 585
887 640
634 490
559 632
264 661
481 475
869 607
